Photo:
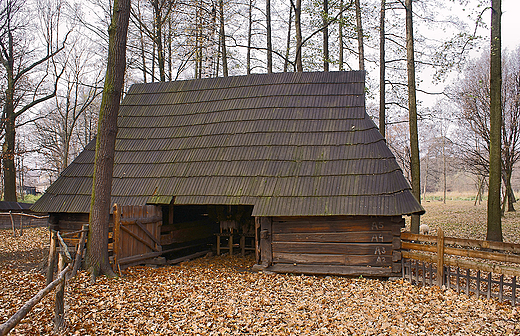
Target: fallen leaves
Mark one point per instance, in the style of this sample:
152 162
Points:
221 296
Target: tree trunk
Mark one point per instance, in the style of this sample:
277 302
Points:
249 37
415 164
382 68
299 41
158 40
223 39
269 37
494 220
360 36
340 36
288 46
325 35
97 249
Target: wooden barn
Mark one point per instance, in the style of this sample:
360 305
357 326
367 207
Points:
288 165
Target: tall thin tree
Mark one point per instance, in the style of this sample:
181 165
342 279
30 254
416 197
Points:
494 221
382 69
97 248
325 35
269 37
412 114
359 29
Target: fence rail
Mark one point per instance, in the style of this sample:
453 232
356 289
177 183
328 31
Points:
483 268
64 268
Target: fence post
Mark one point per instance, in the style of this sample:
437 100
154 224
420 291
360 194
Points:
440 257
52 258
117 238
59 308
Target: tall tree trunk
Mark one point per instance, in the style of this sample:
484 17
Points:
249 37
269 37
325 35
223 39
288 46
415 164
97 249
340 36
382 69
158 40
299 41
494 220
360 36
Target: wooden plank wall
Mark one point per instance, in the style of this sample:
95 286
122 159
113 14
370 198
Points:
132 217
344 245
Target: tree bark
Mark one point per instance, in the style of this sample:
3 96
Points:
97 250
382 69
494 220
359 29
269 37
415 164
223 39
299 41
288 45
325 35
340 36
158 39
249 37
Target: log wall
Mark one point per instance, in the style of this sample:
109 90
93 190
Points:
332 245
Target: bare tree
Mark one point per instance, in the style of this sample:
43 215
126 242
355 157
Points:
31 76
97 249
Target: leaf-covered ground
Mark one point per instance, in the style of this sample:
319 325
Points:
221 296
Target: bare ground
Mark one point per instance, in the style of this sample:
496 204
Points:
221 296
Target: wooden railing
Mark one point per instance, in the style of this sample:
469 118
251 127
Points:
65 266
451 255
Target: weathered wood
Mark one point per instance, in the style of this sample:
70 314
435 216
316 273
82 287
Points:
320 225
142 220
59 302
257 240
331 269
127 230
485 244
139 257
340 237
332 259
333 248
197 230
496 256
396 255
150 235
116 247
79 251
440 257
467 264
266 247
22 312
51 263
188 257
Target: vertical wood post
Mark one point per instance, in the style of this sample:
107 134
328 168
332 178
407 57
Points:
59 307
117 236
12 223
265 241
52 258
257 239
79 250
440 257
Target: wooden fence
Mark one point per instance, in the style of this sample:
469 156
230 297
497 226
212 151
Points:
483 268
65 267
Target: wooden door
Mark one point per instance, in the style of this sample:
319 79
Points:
137 233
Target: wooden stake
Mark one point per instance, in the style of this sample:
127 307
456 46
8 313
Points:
440 257
59 305
117 236
52 258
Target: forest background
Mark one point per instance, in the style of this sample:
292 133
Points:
54 63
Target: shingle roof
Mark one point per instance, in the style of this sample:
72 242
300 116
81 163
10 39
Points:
291 144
